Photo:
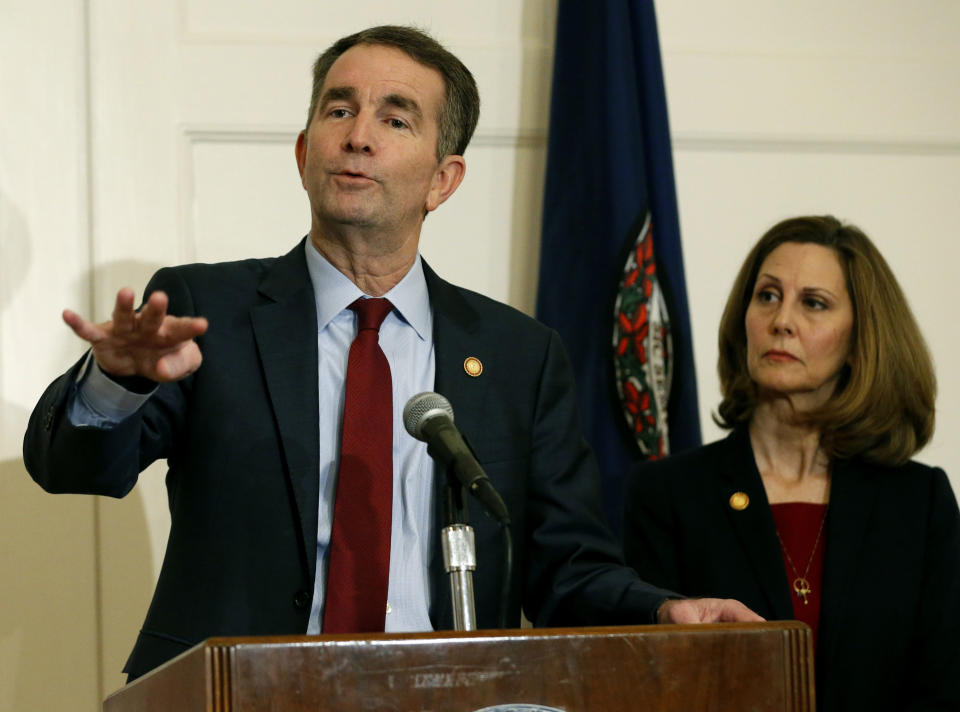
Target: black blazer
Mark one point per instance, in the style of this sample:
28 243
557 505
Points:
239 436
889 632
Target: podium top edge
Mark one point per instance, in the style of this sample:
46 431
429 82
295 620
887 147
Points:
506 633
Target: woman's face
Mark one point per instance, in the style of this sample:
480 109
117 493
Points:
799 323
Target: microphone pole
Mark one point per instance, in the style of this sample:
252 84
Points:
429 417
459 556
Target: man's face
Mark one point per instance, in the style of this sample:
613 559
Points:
368 158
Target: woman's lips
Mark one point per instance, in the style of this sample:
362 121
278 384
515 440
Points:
774 355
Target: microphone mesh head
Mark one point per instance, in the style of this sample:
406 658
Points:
421 407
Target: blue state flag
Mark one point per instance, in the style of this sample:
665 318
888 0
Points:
611 267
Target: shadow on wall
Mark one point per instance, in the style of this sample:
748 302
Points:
131 532
47 614
77 571
71 602
110 277
133 536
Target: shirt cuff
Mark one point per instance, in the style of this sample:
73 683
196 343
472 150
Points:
100 401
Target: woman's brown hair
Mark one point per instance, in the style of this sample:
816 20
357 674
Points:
883 407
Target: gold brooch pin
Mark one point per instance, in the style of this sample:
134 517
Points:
739 501
472 366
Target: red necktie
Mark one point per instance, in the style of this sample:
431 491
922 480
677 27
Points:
356 600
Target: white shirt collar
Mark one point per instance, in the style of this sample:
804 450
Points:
334 292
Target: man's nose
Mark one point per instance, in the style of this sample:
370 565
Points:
360 137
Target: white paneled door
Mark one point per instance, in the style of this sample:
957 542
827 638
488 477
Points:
195 106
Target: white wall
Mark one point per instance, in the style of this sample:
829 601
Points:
138 134
782 109
48 580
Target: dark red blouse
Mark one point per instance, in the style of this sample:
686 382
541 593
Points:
798 524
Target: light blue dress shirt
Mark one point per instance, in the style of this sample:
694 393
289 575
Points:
406 338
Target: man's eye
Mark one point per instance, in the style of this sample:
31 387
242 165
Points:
398 124
339 113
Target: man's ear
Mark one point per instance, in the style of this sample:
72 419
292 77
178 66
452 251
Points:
300 150
446 180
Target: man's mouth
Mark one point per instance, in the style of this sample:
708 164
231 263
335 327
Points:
353 174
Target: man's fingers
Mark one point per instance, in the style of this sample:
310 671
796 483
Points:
678 611
152 343
179 363
735 612
86 330
154 312
724 610
177 329
124 317
706 610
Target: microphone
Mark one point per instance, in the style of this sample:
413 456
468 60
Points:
429 417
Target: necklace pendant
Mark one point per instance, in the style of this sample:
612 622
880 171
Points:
802 587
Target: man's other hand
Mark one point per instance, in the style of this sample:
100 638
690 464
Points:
705 610
149 343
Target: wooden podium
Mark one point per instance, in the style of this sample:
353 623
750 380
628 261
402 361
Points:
755 666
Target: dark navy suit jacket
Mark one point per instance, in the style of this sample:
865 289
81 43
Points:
240 439
889 631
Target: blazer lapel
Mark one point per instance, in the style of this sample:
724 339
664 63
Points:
852 501
455 338
285 328
455 327
753 525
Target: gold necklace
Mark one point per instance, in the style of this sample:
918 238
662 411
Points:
801 585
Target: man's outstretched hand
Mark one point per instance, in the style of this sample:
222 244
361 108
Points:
149 343
705 610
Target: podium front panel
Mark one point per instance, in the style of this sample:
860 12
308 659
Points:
766 666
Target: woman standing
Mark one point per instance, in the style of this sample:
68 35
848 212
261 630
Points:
811 508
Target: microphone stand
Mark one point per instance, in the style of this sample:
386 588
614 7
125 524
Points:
459 555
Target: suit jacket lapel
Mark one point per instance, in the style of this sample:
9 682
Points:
455 337
455 327
285 328
852 501
754 525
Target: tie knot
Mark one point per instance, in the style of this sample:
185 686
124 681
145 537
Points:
371 312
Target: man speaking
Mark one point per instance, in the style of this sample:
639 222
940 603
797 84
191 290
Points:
275 387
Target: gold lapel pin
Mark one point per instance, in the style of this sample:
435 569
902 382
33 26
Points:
739 501
472 366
